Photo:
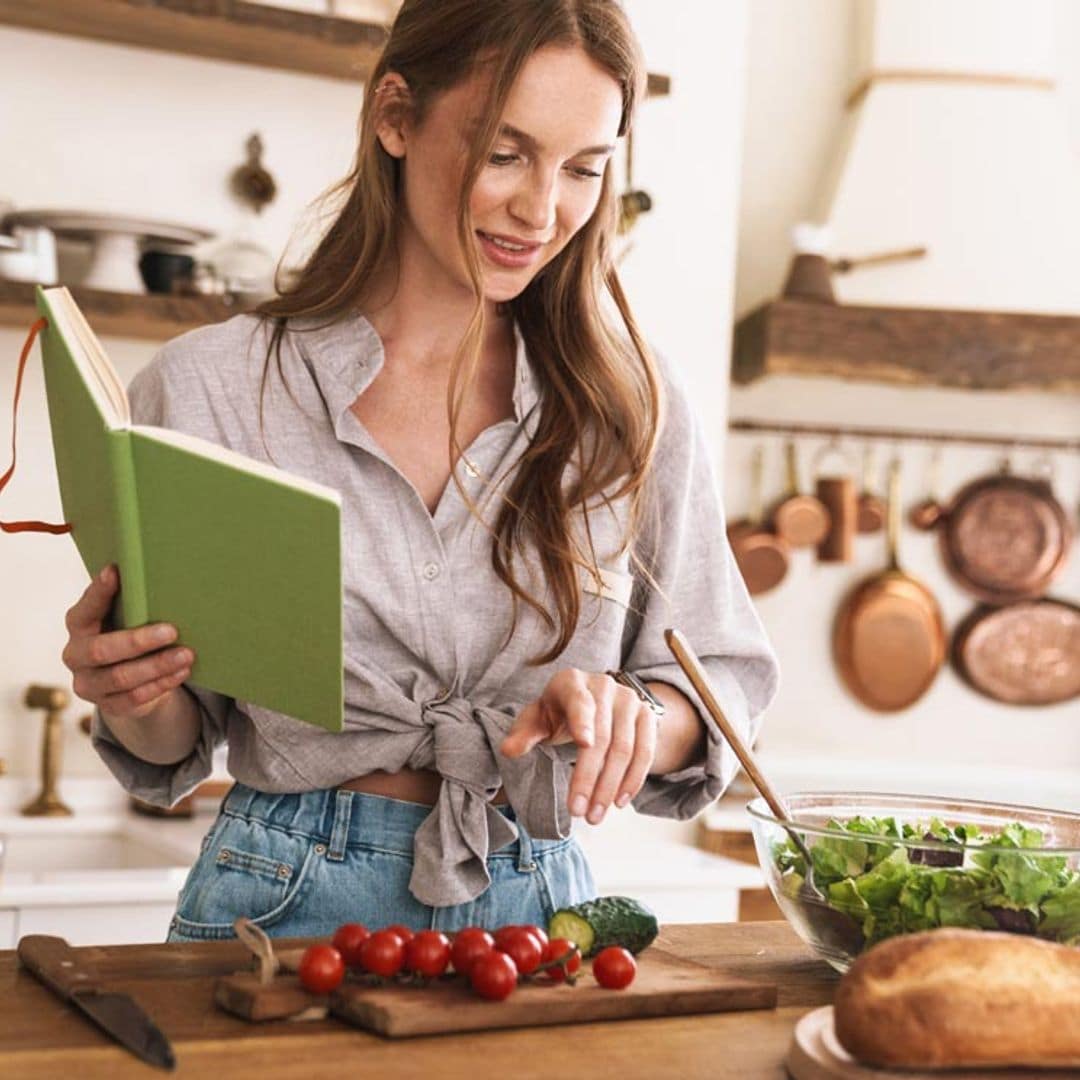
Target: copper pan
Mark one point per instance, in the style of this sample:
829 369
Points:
762 557
799 519
889 637
870 508
1004 537
1027 653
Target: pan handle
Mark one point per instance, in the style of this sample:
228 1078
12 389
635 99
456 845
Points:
892 529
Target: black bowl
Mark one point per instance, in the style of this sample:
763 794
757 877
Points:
161 269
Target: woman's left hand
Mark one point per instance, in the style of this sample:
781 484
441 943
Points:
615 730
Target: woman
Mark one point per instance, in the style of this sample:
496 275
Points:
527 503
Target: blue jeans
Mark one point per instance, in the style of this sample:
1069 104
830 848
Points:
301 865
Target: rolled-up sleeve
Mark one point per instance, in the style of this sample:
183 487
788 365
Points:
696 588
164 395
165 785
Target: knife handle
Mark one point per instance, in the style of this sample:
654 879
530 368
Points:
55 963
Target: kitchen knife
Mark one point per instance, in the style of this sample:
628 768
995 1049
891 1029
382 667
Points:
56 964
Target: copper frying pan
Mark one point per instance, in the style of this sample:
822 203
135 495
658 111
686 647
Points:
889 636
1027 653
1004 537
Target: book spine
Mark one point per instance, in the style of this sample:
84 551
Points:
133 608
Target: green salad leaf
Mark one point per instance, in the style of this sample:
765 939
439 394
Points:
875 874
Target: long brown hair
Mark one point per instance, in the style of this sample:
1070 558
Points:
601 395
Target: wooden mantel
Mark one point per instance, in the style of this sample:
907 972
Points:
981 350
235 30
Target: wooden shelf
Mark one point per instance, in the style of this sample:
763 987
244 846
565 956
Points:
235 30
219 29
981 350
151 317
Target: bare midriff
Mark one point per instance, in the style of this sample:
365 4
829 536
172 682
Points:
409 785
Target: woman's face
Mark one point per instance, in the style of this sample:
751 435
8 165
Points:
540 185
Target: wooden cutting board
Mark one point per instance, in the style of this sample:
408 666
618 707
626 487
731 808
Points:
665 985
816 1054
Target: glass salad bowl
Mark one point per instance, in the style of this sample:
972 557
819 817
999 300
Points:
895 864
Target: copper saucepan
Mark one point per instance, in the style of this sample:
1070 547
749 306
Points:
1026 653
1004 537
762 557
801 520
870 507
889 637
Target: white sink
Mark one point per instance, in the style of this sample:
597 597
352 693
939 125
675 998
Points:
113 850
107 846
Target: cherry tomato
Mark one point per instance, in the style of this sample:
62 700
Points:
321 969
348 938
494 975
539 933
428 953
503 934
614 968
382 953
568 952
469 945
522 946
402 932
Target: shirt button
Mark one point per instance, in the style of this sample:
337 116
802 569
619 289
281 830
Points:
431 571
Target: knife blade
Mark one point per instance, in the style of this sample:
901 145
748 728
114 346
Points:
56 964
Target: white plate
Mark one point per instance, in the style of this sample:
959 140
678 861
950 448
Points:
87 225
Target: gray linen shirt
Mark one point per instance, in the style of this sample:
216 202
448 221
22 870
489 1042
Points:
433 677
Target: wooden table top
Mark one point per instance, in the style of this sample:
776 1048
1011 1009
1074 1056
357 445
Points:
41 1036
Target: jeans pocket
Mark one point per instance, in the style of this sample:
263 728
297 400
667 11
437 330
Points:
262 876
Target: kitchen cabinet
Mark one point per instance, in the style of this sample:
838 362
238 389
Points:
40 1037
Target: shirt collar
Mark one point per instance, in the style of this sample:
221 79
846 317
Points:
345 356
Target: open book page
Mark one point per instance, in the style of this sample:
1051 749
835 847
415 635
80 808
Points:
96 368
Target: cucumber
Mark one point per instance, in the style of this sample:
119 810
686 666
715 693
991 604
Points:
608 920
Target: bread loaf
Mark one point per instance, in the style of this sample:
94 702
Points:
962 998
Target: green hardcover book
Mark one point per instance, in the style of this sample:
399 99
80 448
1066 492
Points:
244 559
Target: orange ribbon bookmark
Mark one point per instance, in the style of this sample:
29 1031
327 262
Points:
25 526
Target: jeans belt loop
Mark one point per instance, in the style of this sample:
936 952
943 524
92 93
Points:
339 834
525 861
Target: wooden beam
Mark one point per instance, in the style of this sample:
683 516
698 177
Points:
982 350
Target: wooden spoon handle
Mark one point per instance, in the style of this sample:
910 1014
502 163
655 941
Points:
690 664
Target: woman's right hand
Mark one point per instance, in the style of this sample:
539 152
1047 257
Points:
127 674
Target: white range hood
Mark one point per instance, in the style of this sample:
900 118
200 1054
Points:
956 138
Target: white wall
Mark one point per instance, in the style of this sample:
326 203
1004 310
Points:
106 127
801 62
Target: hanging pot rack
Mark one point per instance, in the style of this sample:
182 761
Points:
879 434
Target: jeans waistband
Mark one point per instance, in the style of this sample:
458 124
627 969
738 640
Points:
342 819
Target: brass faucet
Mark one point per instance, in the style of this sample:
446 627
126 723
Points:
53 700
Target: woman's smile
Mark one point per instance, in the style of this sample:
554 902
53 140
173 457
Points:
508 251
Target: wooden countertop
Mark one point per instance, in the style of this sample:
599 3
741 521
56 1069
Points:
40 1036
